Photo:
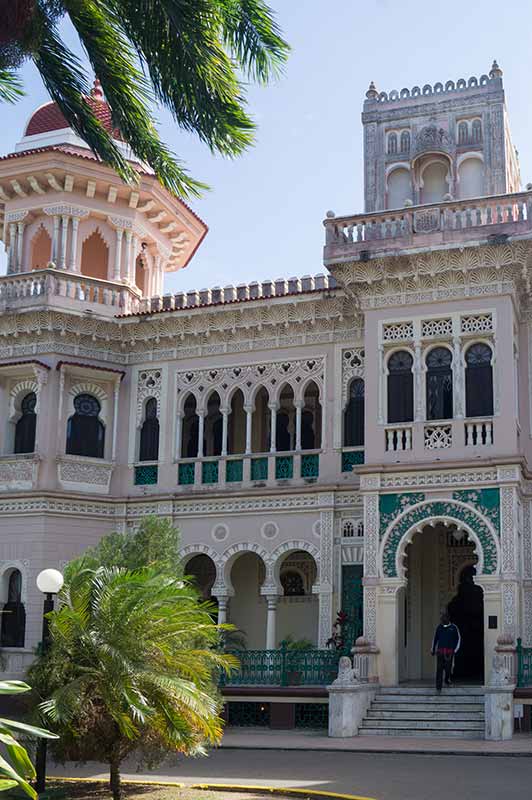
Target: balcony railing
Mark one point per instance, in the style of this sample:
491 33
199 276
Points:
284 667
303 466
479 433
60 288
524 664
417 226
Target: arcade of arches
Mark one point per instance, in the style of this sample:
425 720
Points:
263 621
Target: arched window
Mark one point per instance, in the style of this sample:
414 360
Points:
285 421
212 440
476 131
463 133
41 249
260 423
392 143
292 583
25 427
190 431
236 425
400 387
149 433
95 256
479 381
85 432
13 623
405 142
439 384
399 188
354 415
311 418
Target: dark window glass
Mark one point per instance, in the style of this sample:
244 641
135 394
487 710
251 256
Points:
439 382
292 583
479 381
85 432
25 427
13 622
149 433
190 431
463 133
392 143
354 415
405 142
476 130
400 387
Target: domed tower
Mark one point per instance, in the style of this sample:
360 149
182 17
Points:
78 228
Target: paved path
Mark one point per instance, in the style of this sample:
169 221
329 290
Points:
380 776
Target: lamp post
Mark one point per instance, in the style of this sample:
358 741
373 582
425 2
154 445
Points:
49 582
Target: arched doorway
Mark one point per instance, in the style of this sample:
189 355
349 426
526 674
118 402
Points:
248 609
297 609
439 569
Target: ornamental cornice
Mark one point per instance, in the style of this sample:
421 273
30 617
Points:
438 274
427 479
62 209
122 223
17 216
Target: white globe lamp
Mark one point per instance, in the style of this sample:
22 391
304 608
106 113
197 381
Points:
50 581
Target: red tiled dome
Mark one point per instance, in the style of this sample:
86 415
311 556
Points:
50 118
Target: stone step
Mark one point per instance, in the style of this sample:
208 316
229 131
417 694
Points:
436 699
427 690
429 724
454 716
432 734
383 705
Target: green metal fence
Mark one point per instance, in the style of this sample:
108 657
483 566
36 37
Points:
524 664
284 667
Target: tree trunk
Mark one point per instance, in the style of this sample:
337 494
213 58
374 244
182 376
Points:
114 778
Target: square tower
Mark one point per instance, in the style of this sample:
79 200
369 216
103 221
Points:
437 143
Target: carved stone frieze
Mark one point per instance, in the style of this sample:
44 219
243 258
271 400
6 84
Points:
83 474
18 472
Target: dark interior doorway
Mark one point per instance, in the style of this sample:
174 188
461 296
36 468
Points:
466 610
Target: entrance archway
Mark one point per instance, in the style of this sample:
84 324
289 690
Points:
439 572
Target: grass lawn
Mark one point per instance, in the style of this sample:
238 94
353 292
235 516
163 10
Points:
59 790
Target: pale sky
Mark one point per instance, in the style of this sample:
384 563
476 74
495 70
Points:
265 209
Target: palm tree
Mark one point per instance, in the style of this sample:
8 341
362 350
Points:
132 664
191 56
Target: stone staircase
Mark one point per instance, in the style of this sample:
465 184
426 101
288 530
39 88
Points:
456 713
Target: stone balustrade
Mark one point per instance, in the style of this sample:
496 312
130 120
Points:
398 437
489 219
66 289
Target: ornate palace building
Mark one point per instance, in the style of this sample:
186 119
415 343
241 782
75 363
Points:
357 441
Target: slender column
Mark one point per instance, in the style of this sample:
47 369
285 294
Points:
178 433
12 255
418 393
73 266
298 427
200 435
55 240
458 379
64 236
60 431
132 266
381 389
249 422
223 601
271 621
273 427
115 417
118 253
127 267
20 244
225 421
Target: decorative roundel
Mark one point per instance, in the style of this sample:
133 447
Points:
269 530
220 532
86 405
316 528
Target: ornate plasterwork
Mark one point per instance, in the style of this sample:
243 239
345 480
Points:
509 530
18 472
437 274
487 501
430 513
353 366
149 384
76 473
246 377
392 505
425 480
353 552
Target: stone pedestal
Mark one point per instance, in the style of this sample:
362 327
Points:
347 708
499 712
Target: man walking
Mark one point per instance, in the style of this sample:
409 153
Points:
445 644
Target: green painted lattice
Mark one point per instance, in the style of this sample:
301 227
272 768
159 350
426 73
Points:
352 604
524 664
248 715
146 475
185 474
209 472
312 715
310 466
354 458
259 469
284 468
234 470
487 501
